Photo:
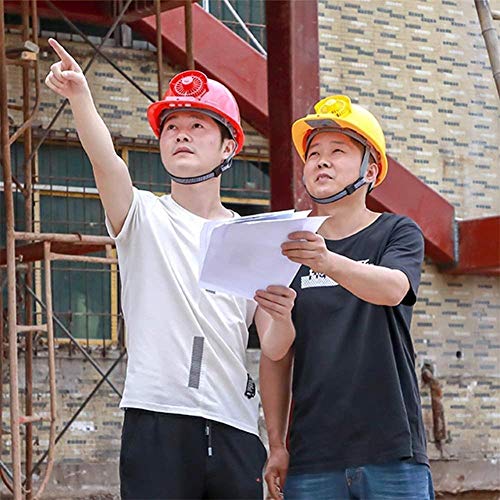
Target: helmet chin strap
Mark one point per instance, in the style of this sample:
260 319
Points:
222 167
351 188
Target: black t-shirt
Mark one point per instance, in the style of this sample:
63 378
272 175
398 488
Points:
355 393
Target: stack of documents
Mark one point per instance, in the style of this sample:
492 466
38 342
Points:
242 255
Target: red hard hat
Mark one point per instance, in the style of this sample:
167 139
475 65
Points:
192 89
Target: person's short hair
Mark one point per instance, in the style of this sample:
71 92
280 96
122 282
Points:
224 131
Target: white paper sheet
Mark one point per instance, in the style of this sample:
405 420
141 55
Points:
241 256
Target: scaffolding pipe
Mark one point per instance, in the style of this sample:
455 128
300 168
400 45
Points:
159 48
83 258
490 38
28 217
62 237
250 35
6 480
52 372
11 268
188 25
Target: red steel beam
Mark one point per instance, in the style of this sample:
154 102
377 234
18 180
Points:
478 247
91 11
404 193
94 11
219 53
293 62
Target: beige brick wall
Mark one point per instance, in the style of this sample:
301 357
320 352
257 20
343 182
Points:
422 68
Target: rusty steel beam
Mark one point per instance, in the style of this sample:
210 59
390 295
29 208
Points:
438 420
92 11
293 62
33 252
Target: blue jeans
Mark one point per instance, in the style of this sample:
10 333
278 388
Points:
393 480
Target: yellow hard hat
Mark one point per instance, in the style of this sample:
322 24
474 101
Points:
337 111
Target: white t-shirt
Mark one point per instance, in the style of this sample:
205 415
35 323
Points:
186 346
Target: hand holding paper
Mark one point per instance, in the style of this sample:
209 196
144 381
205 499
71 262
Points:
241 256
308 249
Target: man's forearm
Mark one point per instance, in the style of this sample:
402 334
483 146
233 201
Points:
375 284
92 131
277 339
275 390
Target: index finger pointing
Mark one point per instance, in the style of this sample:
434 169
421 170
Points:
64 55
302 235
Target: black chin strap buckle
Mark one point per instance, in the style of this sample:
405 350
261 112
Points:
350 189
218 170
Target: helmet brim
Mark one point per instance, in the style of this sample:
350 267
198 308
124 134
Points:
156 109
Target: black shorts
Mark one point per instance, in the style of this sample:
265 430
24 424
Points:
170 456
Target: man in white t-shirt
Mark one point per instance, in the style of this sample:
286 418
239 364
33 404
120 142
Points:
191 409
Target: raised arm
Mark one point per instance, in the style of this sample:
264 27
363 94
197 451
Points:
110 171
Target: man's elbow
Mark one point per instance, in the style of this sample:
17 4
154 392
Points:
397 294
274 353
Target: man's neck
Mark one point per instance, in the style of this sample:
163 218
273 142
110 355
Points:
346 217
202 199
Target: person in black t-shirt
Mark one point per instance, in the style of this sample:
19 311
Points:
356 428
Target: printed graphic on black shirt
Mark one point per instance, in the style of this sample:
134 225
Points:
314 279
250 390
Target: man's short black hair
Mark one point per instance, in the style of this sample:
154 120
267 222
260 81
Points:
224 131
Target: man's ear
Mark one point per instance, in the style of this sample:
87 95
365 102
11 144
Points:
371 173
229 146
